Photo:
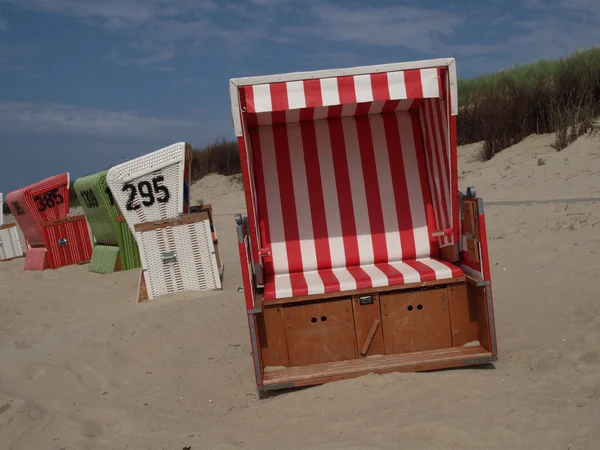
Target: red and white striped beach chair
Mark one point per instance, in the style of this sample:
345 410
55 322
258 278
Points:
10 244
176 248
54 238
351 250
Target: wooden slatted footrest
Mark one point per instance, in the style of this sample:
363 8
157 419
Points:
410 362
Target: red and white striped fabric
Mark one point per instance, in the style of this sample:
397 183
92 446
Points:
359 277
434 119
343 90
350 175
344 203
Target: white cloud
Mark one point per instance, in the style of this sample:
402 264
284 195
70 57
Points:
64 119
132 10
154 28
268 2
154 32
591 6
407 26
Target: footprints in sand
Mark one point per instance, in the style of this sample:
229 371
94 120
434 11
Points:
23 345
87 376
61 376
91 428
4 408
34 371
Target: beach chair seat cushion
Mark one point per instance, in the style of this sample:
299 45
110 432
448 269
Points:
358 277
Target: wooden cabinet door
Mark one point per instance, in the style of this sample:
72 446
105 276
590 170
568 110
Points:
320 332
415 321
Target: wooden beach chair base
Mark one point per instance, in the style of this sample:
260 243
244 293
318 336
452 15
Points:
314 340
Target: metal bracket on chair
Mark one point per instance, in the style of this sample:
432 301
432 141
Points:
63 242
169 257
240 227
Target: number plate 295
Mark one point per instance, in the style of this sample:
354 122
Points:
146 193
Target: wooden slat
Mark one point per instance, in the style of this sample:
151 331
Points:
271 337
184 220
411 362
463 315
399 287
372 331
142 289
10 259
7 226
50 223
477 300
364 316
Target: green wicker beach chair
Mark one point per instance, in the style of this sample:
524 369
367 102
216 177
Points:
115 248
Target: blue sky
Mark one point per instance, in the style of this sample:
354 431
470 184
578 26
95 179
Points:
88 83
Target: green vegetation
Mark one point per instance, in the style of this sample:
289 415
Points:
221 157
527 75
561 96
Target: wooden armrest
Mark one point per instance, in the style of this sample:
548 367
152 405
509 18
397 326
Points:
184 220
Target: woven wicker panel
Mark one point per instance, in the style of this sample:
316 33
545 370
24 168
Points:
40 202
68 242
130 254
10 245
151 187
104 259
179 258
99 206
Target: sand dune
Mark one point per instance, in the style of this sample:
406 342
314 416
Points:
85 367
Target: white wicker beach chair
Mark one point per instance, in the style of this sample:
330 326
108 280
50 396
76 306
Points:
176 248
10 244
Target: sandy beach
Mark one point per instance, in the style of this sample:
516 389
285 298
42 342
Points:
85 367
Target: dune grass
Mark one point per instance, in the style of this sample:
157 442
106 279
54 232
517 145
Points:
221 157
561 96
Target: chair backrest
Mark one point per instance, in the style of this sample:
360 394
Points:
40 202
99 206
343 191
154 186
348 166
